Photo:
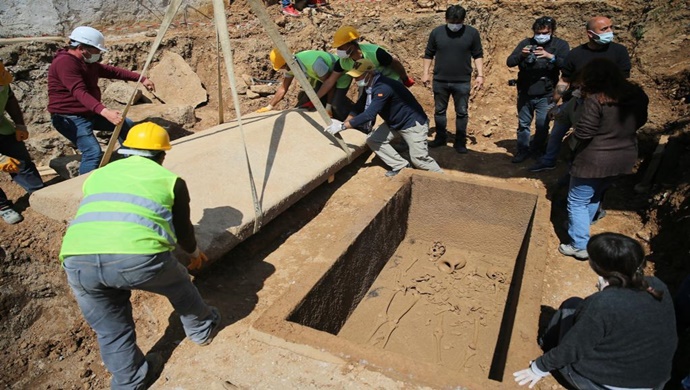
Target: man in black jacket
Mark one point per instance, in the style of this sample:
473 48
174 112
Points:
454 46
402 116
539 60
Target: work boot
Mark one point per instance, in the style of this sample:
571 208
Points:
290 11
569 250
215 327
438 141
10 216
520 156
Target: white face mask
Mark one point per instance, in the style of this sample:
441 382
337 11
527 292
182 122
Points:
362 83
454 27
342 54
93 58
603 38
542 38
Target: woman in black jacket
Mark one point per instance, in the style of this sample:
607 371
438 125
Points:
621 337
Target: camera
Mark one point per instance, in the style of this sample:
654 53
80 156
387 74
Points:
512 82
531 57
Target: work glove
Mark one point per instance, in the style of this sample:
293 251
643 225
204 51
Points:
265 109
334 128
409 82
307 106
21 133
529 375
198 258
9 164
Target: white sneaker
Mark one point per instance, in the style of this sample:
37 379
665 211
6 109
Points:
10 216
569 250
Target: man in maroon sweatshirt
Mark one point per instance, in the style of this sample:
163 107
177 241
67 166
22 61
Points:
74 98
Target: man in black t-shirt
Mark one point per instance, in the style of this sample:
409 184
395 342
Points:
600 45
539 59
453 46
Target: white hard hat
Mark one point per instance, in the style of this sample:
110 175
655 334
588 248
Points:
89 36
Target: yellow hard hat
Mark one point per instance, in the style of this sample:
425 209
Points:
147 136
276 59
344 35
360 67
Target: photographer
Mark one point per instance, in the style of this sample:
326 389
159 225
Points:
539 60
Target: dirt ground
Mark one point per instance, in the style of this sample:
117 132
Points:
45 342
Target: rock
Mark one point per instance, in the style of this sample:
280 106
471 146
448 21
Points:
179 114
263 90
248 80
119 93
176 82
487 133
66 166
252 95
241 89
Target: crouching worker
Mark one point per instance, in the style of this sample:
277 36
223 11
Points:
132 215
317 66
401 112
622 337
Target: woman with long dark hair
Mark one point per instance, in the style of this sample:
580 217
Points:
605 144
622 337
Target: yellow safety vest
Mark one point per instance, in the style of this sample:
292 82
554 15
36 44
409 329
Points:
127 209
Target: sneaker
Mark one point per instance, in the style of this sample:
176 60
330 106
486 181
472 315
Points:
215 327
290 11
601 213
394 172
316 3
569 250
10 216
462 149
520 157
155 367
540 166
438 141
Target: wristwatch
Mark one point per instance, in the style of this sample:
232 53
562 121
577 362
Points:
342 126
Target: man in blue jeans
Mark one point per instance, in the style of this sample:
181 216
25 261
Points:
14 158
453 46
539 60
134 213
74 98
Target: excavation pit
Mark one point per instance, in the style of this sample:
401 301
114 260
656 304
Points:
425 287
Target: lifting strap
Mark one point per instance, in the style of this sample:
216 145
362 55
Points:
260 11
224 37
167 20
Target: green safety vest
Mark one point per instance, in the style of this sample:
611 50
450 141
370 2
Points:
369 52
6 127
307 58
127 209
